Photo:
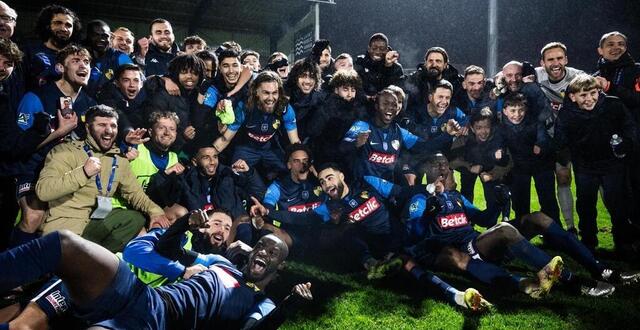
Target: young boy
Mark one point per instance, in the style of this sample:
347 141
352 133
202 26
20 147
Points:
483 155
586 126
533 156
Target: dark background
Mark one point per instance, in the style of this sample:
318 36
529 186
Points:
460 26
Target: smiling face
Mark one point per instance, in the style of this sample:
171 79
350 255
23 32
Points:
482 129
253 62
188 79
163 133
377 50
332 182
513 76
306 82
439 101
230 70
386 108
162 36
267 94
103 130
554 61
61 29
99 38
75 69
7 22
514 113
122 41
129 83
219 229
6 67
613 47
266 258
207 161
585 99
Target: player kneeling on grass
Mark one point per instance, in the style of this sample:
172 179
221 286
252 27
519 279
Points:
368 230
106 293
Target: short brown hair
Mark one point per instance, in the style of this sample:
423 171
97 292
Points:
348 78
515 100
611 34
157 115
582 82
70 50
473 69
553 45
11 51
194 40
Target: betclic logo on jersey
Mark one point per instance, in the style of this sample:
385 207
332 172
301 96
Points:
382 158
301 208
260 138
364 210
453 220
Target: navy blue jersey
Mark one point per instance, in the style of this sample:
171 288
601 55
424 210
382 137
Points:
260 128
40 63
453 223
429 128
219 298
286 194
380 154
363 206
103 68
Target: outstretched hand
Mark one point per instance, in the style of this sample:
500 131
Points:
303 290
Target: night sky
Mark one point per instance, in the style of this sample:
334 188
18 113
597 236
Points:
460 26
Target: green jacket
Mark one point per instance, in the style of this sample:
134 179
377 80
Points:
72 195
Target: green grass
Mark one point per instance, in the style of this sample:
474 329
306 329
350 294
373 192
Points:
344 299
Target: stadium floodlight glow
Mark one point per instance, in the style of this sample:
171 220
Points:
329 2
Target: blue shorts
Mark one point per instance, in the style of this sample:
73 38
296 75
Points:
126 304
270 158
427 250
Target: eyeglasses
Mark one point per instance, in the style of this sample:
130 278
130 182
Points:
7 19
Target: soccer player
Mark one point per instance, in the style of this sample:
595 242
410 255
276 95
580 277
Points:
107 294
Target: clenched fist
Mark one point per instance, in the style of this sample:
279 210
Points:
92 166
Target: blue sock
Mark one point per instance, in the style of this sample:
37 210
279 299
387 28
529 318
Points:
429 279
489 273
244 233
530 254
565 242
19 237
29 261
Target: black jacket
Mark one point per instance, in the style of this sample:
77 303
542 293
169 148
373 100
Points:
226 189
305 106
588 134
130 111
375 75
418 84
624 75
330 124
156 62
520 140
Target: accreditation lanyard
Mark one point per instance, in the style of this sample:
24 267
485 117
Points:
111 177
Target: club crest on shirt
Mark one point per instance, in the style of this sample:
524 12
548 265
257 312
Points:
353 203
276 124
264 127
364 194
317 191
305 194
395 144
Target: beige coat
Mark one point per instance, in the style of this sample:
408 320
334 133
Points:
72 196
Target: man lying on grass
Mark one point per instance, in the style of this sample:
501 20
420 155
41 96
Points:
441 234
